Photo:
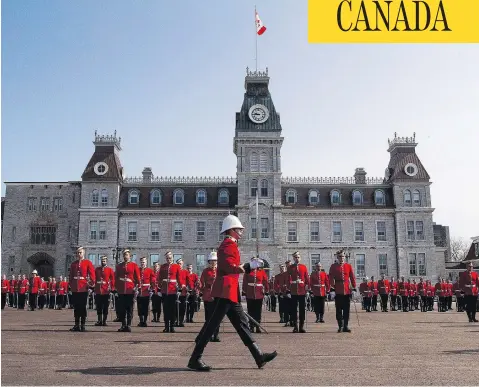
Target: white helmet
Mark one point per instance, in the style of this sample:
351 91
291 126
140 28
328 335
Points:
230 222
213 256
34 272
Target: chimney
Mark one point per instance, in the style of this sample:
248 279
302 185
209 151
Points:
147 175
360 176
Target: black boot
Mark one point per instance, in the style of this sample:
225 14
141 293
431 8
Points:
196 363
82 325
76 327
172 327
261 358
340 326
105 317
167 327
99 322
301 327
295 329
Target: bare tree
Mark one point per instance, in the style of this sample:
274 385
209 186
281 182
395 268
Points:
459 249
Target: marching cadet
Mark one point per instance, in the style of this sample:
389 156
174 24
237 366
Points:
127 277
227 299
147 282
430 295
207 279
104 284
412 294
299 279
12 295
62 289
384 288
255 286
422 292
373 285
288 299
53 293
48 292
35 284
367 293
441 294
156 296
319 282
169 280
341 277
469 284
42 291
279 281
192 283
22 289
459 296
449 294
416 295
272 294
393 291
182 296
5 288
403 289
81 272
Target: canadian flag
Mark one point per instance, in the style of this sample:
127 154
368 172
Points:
260 28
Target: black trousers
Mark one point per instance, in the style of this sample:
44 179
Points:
4 300
343 304
393 302
470 306
60 301
282 309
12 300
156 304
102 302
384 301
318 302
169 308
41 301
460 303
254 308
21 301
424 304
182 307
442 303
209 307
272 298
234 311
192 306
32 300
404 303
374 302
301 301
79 306
367 303
125 308
53 301
143 303
449 302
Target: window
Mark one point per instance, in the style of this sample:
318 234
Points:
379 198
58 204
292 232
154 258
360 265
263 162
93 229
43 235
412 264
178 197
416 199
407 198
357 198
102 230
254 187
32 204
200 263
337 232
68 261
45 204
291 196
14 233
177 231
421 263
223 197
264 188
177 256
383 264
381 231
94 198
335 198
155 197
155 231
314 232
264 228
134 258
315 258
11 262
253 228
313 197
220 236
420 230
92 258
410 230
73 197
358 232
254 162
201 197
104 198
132 230
201 231
133 197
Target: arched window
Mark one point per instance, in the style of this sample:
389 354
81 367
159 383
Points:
407 198
416 199
95 198
291 196
254 187
335 198
201 196
254 162
104 198
133 197
263 162
155 196
313 197
357 198
264 188
178 197
224 197
379 198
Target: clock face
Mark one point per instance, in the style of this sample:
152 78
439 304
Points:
258 114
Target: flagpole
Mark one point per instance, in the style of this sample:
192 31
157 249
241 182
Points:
257 224
256 38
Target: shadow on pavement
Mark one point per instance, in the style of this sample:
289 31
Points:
153 341
462 351
123 370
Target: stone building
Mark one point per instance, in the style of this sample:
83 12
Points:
385 224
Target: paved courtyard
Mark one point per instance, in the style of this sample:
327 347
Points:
392 348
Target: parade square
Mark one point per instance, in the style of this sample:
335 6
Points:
393 348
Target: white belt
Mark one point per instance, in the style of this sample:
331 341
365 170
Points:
297 282
126 279
320 285
100 282
145 285
169 280
78 278
260 285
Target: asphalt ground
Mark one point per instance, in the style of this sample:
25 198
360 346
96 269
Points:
392 348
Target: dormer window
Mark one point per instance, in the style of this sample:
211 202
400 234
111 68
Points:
95 195
201 197
223 197
335 198
179 197
155 197
313 197
291 196
416 198
407 198
379 198
133 197
357 198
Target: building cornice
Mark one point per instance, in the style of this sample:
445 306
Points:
175 212
98 209
337 212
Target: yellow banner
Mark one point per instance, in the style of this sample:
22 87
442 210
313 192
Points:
393 21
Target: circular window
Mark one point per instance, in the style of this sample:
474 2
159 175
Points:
101 168
410 169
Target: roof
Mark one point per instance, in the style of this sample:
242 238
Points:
107 155
402 156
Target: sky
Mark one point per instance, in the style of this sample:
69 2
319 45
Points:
168 76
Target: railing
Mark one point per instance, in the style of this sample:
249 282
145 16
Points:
329 180
181 180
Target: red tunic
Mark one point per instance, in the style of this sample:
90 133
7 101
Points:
255 284
155 285
127 275
35 283
169 278
43 289
147 281
281 283
22 286
457 289
192 282
393 288
403 288
422 289
469 283
319 283
412 289
13 286
340 277
449 289
271 286
365 290
79 271
5 286
53 288
383 286
183 278
439 289
62 288
227 274
430 290
373 285
207 278
299 279
105 280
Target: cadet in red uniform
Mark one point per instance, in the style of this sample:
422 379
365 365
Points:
469 283
227 299
53 293
255 286
279 287
192 283
459 296
384 288
62 289
319 283
12 297
22 286
182 296
422 292
440 293
373 285
127 276
341 276
156 296
393 291
449 294
207 278
288 298
169 281
430 295
35 284
42 291
403 289
81 272
299 279
367 293
147 282
5 288
411 294
104 284
272 294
